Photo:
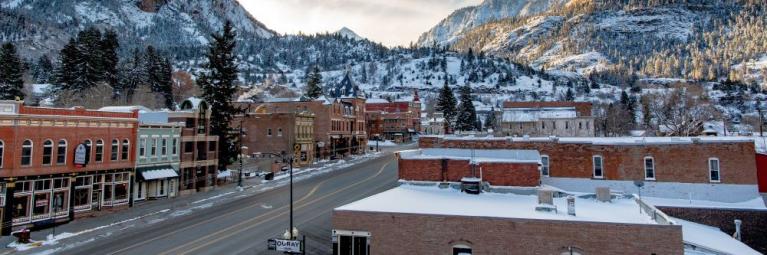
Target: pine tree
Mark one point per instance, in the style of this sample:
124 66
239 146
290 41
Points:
69 69
109 47
314 83
467 114
91 57
11 72
160 72
218 85
569 95
629 105
132 74
446 103
490 119
44 70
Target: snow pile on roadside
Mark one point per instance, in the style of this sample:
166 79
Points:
340 164
385 143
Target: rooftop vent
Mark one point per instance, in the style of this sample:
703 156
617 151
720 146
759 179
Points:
603 194
471 185
546 201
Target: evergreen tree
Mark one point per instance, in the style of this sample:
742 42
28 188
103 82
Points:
569 95
132 74
109 47
467 114
629 105
91 57
44 70
446 103
218 86
11 72
160 72
69 69
490 119
314 83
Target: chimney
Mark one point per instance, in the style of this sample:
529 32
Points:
603 194
737 229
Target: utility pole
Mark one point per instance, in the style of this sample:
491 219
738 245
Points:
239 180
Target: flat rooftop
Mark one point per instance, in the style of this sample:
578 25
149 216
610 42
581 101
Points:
432 200
628 140
477 156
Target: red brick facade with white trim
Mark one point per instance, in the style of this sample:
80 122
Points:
495 173
399 233
684 163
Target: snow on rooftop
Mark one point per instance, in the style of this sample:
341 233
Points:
712 238
506 156
627 140
126 108
757 203
436 201
376 101
535 114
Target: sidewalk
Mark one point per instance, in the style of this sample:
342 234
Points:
86 230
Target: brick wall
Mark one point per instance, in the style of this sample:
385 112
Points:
499 174
393 233
686 163
753 227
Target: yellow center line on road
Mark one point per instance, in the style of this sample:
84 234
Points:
213 218
230 231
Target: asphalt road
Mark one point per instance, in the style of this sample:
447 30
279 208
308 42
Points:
243 226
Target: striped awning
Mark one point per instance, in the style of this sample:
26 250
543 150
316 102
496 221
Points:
159 174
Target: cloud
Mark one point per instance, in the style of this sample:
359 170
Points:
392 22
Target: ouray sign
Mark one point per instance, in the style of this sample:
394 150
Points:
82 154
292 246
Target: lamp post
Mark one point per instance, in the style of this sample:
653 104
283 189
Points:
284 156
239 179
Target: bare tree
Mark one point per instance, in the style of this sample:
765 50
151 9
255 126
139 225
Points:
680 113
613 120
93 98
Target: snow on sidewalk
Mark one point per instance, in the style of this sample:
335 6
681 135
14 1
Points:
190 207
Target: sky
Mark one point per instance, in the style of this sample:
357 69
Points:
391 22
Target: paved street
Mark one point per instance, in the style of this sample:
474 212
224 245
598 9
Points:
242 225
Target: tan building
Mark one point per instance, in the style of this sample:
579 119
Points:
536 119
199 149
280 132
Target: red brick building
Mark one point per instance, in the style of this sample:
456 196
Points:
280 132
709 168
41 181
430 220
496 167
761 162
396 121
339 126
199 149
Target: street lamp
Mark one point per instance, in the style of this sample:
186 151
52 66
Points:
239 180
284 156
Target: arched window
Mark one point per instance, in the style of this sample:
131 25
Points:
115 150
100 151
461 250
26 153
61 152
47 152
2 149
126 149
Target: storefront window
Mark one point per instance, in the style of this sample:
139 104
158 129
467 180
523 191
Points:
42 203
60 201
121 191
21 206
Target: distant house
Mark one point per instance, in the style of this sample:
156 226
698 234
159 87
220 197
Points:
537 119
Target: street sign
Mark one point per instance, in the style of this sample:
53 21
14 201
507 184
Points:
292 246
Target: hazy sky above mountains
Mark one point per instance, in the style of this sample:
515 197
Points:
392 22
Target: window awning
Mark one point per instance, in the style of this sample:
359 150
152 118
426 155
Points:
159 174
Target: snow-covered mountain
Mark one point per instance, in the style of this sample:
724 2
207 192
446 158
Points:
465 19
348 33
43 27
